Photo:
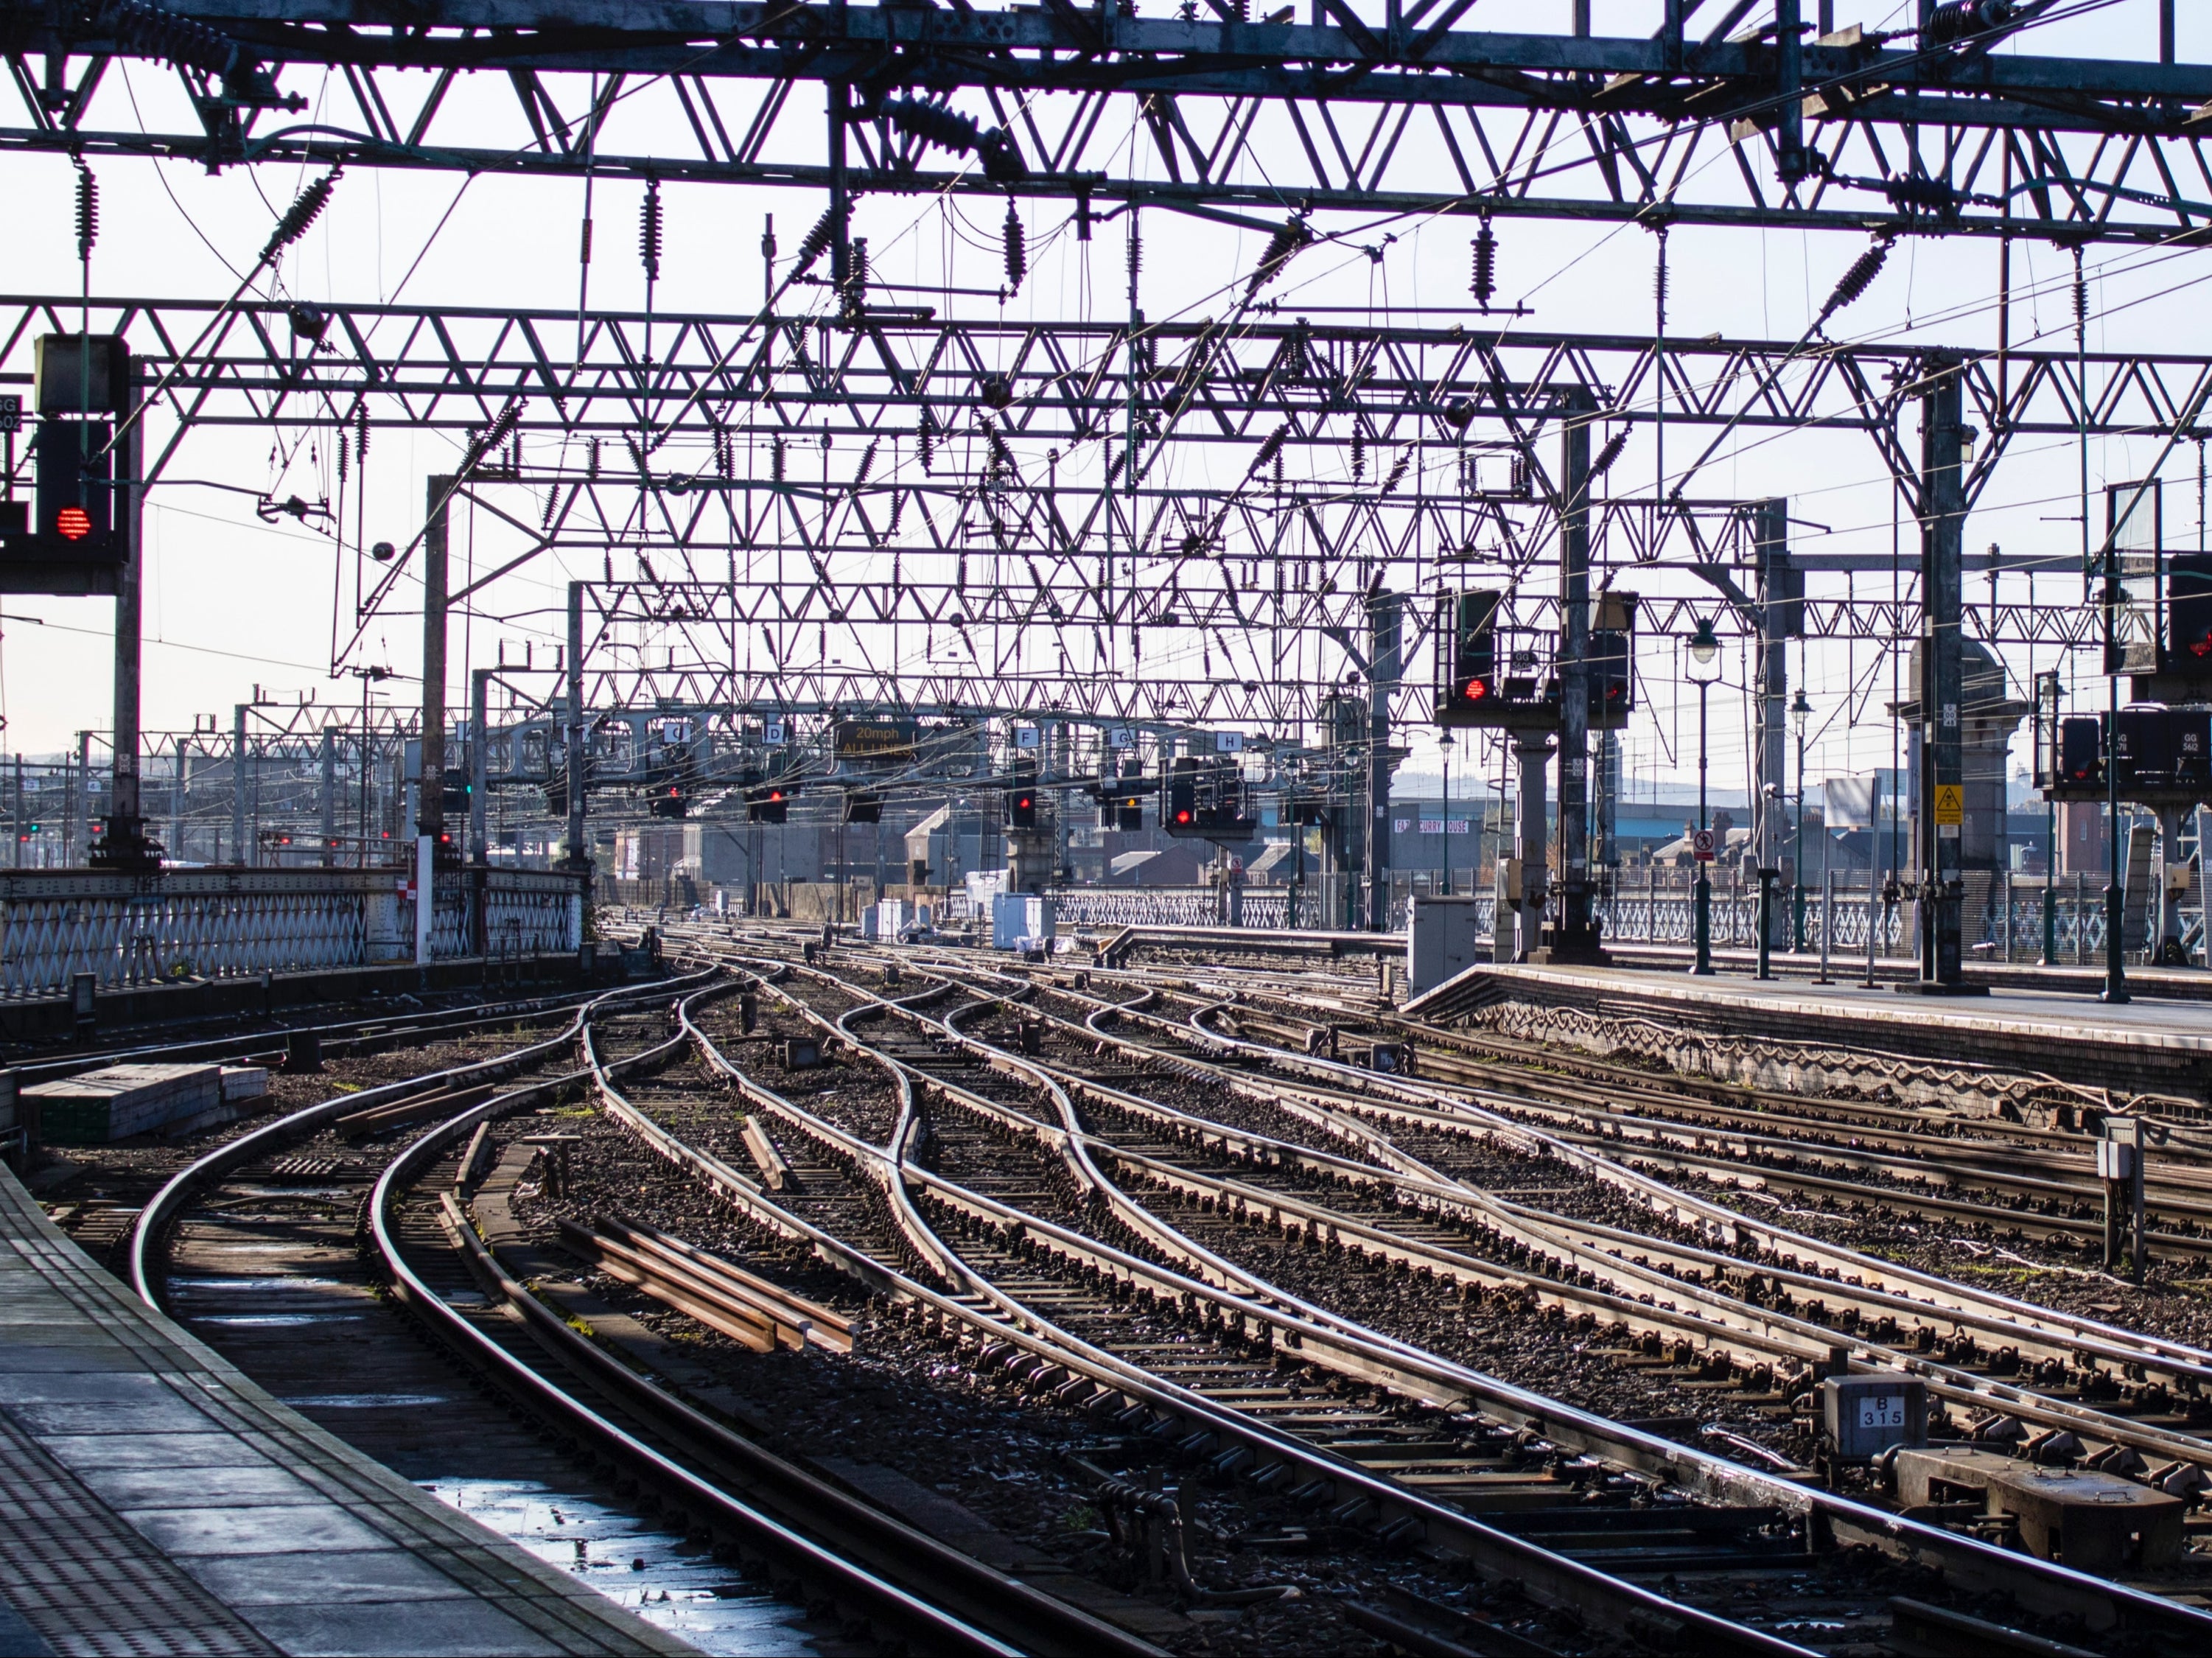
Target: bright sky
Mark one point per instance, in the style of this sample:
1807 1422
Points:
233 604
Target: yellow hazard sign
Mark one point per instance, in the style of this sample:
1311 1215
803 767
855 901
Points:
1950 804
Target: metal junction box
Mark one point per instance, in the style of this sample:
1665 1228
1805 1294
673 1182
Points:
1441 941
1863 1416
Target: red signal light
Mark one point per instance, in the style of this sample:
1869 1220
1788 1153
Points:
1183 814
72 524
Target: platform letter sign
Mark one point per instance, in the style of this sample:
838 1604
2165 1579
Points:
1120 737
1229 742
1882 1411
1028 736
772 734
11 412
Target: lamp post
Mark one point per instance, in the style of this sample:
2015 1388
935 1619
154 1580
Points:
1801 714
1704 667
1444 742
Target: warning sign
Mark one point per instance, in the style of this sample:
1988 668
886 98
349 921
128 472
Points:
1701 845
1950 804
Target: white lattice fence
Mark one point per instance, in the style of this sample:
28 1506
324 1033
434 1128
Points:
522 917
129 931
125 937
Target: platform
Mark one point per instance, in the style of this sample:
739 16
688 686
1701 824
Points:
154 1500
2151 1045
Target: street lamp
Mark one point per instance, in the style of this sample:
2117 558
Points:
1444 742
1704 667
1801 714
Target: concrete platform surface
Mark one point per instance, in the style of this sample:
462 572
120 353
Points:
2035 1015
154 1500
2152 1045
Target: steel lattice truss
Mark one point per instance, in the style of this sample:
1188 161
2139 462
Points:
1284 471
680 401
1726 114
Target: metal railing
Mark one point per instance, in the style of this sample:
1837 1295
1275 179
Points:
2003 914
132 930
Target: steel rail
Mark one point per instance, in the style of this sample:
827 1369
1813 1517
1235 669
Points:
1965 1559
1437 1108
1723 1322
246 1045
892 1607
1426 1184
1738 1323
1368 1094
148 1235
1955 1161
1550 1578
1725 1319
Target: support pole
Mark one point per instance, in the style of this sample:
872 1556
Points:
1771 537
580 856
330 794
1789 100
841 246
1874 880
479 761
1534 751
1575 939
1701 890
1385 614
1767 877
124 846
240 854
430 783
2170 951
1827 922
1942 510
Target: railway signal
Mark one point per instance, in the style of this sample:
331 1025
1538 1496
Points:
1467 637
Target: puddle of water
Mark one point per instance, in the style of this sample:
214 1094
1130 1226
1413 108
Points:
209 1286
273 1321
293 1191
655 1574
363 1401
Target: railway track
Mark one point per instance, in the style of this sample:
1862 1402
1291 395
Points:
1849 1298
1040 1237
2034 1180
99 1198
404 1204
